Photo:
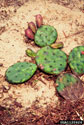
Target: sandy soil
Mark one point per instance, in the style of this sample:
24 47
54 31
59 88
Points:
66 16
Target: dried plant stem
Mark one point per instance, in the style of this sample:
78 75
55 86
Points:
71 35
79 115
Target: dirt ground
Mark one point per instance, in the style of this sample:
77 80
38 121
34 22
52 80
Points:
36 102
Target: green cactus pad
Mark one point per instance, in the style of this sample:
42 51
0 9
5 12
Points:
20 72
76 60
52 61
69 86
45 35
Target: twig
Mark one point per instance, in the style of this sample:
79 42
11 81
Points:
76 33
42 81
79 115
72 34
64 34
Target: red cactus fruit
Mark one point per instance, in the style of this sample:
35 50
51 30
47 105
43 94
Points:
39 20
29 33
32 26
82 52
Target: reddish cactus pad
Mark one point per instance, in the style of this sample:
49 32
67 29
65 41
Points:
29 34
39 20
32 26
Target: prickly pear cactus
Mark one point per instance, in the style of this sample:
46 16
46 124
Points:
69 86
52 61
45 35
76 60
20 72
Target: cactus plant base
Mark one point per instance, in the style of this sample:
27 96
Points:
45 35
51 61
76 60
69 86
20 72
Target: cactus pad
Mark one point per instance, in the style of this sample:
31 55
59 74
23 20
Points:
76 60
20 72
45 35
69 86
52 61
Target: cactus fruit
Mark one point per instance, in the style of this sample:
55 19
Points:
76 60
32 26
39 20
20 72
69 86
45 35
29 34
51 61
